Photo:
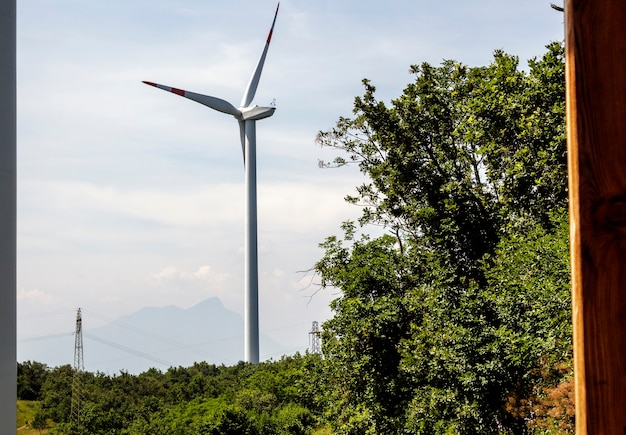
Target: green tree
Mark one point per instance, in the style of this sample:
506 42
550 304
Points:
460 154
467 171
39 422
31 376
56 394
294 419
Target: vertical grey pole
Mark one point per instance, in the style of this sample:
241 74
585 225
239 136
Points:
251 354
8 365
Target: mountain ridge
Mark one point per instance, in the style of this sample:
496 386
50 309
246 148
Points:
153 337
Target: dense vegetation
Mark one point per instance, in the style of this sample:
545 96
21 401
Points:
455 321
458 320
278 397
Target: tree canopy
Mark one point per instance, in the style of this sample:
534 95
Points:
458 319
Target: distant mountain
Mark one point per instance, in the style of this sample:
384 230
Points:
157 337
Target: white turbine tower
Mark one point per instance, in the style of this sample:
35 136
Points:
247 115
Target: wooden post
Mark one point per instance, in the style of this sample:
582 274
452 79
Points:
596 133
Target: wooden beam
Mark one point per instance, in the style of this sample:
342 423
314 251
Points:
595 43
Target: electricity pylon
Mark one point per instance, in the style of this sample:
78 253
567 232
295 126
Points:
79 367
314 338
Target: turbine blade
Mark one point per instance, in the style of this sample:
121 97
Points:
248 96
212 102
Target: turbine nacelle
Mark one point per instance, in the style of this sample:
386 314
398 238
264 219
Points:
254 113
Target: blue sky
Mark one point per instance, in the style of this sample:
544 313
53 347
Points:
131 197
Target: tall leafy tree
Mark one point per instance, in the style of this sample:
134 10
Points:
463 160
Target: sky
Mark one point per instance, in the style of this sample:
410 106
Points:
129 196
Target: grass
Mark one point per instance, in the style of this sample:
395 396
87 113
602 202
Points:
26 410
25 430
323 430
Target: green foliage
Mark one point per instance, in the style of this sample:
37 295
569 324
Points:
56 394
294 419
31 376
39 422
360 341
458 319
276 397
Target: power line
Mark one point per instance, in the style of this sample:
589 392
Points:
45 337
129 350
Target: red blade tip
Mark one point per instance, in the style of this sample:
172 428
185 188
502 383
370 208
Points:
149 83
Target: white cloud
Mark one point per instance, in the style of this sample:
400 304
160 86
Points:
278 273
35 296
204 274
185 287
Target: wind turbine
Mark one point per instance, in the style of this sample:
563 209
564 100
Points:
246 115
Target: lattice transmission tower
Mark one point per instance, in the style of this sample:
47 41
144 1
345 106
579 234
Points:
314 338
79 367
